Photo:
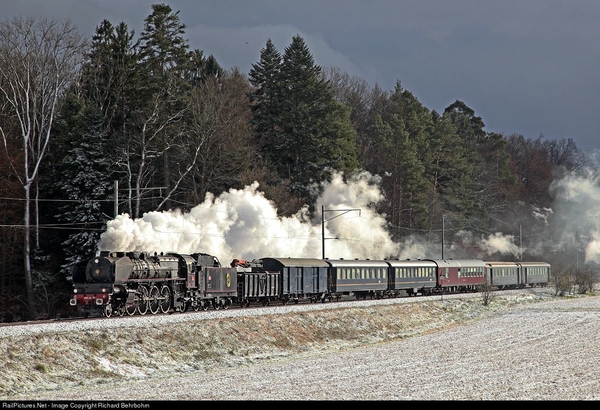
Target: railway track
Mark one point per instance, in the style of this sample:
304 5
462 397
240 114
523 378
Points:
258 309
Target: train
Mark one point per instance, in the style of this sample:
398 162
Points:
128 283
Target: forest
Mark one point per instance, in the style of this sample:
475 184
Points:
160 125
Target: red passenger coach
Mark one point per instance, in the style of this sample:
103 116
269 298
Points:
460 275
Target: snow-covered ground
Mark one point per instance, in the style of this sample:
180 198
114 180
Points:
534 351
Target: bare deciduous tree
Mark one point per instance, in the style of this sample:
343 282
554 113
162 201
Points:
562 278
146 146
38 60
585 278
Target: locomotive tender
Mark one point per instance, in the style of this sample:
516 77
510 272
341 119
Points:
126 283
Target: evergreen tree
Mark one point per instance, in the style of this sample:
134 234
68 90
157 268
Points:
264 76
213 68
163 46
463 187
84 181
404 181
110 77
449 172
314 135
499 184
202 69
416 119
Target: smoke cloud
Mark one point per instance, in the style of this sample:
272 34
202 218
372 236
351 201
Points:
244 224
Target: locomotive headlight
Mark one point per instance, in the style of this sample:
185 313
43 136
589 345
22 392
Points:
103 290
74 290
96 261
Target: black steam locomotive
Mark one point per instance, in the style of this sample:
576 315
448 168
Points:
126 283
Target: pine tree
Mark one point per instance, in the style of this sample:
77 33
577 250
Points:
110 76
264 76
163 46
84 181
314 133
462 190
449 172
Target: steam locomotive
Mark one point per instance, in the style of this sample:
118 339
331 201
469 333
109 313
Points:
126 283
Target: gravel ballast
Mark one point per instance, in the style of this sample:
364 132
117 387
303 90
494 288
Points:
450 348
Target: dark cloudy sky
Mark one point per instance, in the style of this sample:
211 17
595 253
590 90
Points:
525 66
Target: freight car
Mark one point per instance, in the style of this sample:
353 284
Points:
255 284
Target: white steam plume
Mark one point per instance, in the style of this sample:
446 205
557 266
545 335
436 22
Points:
244 224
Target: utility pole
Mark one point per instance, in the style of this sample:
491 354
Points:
323 210
520 244
116 198
443 223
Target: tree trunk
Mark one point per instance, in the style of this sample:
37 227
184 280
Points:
27 255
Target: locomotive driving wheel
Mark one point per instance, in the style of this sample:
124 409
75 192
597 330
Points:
130 310
153 302
143 302
165 296
107 310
